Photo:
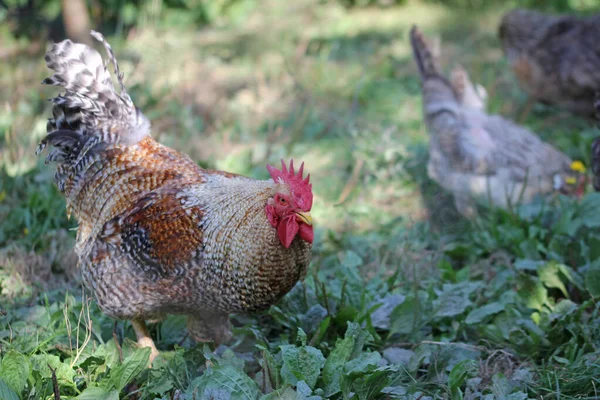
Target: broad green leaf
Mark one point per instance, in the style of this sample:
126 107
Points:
479 314
345 314
593 241
454 299
568 224
363 363
351 260
350 347
397 355
571 275
123 374
460 373
98 393
303 389
160 385
592 279
451 305
288 393
301 337
40 362
369 386
406 317
360 335
282 394
381 316
533 292
301 364
457 250
15 370
6 392
225 381
525 264
589 210
108 351
549 276
333 369
501 387
313 318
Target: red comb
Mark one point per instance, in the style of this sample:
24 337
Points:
289 175
300 186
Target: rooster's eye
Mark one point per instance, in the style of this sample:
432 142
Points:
282 201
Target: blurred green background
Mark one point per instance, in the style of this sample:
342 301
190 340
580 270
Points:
240 83
237 84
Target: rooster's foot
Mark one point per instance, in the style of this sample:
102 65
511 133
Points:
144 339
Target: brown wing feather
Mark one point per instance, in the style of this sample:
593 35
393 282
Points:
158 232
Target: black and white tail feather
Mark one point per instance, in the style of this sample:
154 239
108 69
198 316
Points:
90 116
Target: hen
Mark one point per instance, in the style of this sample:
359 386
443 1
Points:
476 155
157 234
555 58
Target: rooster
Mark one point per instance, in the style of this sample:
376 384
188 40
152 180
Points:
556 58
157 234
476 155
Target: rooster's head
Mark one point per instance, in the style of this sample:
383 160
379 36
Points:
289 209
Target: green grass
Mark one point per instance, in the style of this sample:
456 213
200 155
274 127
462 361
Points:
403 298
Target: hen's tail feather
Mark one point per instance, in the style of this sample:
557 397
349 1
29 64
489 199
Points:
90 103
423 57
90 116
439 96
596 148
111 58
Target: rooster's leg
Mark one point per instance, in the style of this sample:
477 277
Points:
143 337
209 327
117 343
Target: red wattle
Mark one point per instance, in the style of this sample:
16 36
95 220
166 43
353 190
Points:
306 233
287 230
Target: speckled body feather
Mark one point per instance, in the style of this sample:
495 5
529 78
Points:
157 234
555 58
473 154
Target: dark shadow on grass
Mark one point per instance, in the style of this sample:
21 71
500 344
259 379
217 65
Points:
439 203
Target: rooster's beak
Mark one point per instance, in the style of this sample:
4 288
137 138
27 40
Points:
305 217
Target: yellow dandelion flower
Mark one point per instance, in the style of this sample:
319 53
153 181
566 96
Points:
578 166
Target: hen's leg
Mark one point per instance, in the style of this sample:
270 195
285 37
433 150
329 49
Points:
465 206
117 343
208 326
143 338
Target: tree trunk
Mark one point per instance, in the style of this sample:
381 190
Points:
76 19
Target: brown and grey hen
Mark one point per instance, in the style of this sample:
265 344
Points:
476 155
556 58
158 234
